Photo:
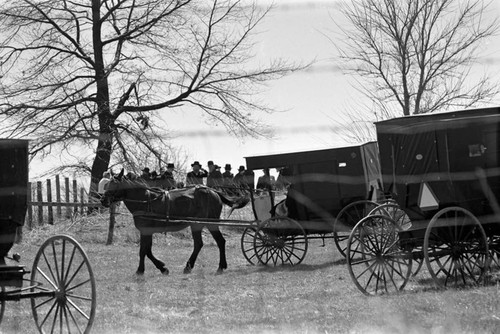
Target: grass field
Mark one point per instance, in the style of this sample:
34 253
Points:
317 296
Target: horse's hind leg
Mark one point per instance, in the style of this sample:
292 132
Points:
221 243
198 245
149 252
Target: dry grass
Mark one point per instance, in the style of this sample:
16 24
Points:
314 297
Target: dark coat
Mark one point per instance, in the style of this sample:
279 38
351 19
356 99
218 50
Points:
196 178
214 179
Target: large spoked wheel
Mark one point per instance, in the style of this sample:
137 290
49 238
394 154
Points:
347 218
456 248
247 245
392 210
494 247
280 241
2 304
61 266
376 260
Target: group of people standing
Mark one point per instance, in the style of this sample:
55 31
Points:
215 178
165 179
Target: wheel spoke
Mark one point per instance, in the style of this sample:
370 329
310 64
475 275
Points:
55 262
66 274
73 318
78 285
85 315
372 272
74 274
50 270
47 278
45 302
55 319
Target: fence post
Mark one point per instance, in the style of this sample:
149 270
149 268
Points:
30 210
66 186
82 200
111 229
75 196
39 198
58 197
50 210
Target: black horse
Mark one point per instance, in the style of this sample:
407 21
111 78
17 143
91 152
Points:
157 211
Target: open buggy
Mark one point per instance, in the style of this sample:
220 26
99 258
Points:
61 284
318 194
443 172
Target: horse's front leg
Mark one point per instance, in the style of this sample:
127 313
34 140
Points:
197 246
221 243
149 252
142 255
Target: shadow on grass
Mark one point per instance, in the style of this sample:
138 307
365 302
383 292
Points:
300 267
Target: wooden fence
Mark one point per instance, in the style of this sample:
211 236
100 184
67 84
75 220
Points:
70 196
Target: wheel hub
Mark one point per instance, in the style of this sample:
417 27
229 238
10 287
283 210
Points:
60 296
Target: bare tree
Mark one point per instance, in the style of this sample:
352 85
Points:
99 73
416 56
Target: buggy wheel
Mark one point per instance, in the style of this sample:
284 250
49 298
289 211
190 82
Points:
347 218
494 247
455 248
2 304
392 210
376 261
247 245
62 267
280 241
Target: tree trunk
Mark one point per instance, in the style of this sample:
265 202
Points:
106 119
101 162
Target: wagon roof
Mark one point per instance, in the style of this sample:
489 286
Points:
7 142
439 121
294 158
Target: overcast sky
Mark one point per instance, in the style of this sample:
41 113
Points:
294 30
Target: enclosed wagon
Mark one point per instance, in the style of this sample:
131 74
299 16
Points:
327 192
443 170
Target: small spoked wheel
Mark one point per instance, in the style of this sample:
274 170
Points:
280 241
455 248
247 245
62 270
347 218
376 260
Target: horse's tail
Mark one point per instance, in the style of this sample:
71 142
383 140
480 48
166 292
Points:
232 200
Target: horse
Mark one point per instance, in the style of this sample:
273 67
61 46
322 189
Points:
158 211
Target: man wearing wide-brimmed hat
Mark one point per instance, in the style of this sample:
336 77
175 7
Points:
227 176
214 178
239 178
167 177
196 175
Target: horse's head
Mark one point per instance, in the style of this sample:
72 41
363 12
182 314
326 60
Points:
120 188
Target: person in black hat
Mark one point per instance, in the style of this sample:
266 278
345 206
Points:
227 176
239 178
168 177
145 174
214 178
196 175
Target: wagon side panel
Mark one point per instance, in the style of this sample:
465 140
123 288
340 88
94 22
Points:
13 180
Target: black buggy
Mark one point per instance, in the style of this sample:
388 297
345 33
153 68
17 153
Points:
61 284
443 173
320 194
